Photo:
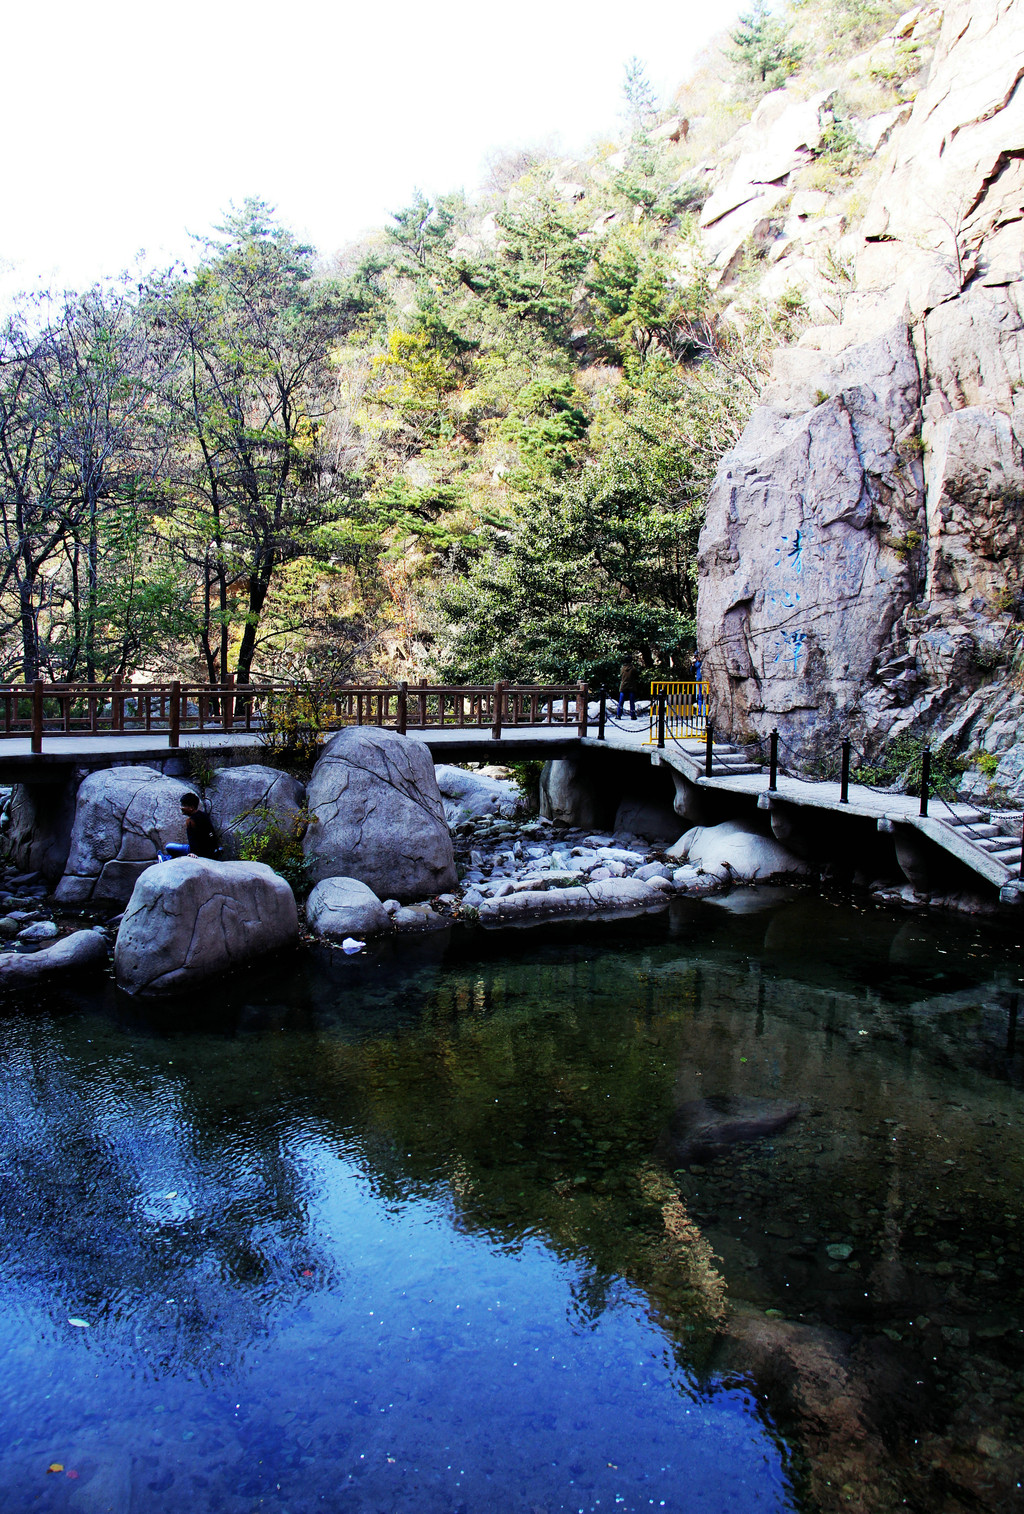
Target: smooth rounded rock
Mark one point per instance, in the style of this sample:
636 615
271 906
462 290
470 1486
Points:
123 817
42 930
83 951
340 907
732 850
243 799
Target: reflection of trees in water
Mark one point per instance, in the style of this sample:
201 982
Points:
533 1095
116 1197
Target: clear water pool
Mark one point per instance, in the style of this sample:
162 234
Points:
717 1211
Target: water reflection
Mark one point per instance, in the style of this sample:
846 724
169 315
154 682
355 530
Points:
562 1221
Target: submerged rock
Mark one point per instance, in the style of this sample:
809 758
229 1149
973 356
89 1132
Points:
609 894
190 919
704 1128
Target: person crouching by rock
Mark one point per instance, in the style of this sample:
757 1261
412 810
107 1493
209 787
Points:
627 688
199 832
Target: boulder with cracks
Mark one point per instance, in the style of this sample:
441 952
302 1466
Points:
190 919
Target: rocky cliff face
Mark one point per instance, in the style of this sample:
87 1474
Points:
862 558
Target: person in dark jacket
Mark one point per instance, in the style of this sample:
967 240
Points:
199 832
628 682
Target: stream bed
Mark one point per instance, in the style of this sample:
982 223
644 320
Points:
717 1210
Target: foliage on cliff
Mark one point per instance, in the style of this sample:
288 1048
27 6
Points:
477 446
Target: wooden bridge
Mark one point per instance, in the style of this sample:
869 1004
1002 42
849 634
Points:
55 711
47 728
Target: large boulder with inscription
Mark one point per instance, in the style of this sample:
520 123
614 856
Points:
123 817
375 814
246 799
190 919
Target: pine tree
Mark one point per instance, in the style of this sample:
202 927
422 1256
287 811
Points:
763 47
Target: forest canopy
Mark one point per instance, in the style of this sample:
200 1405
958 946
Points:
478 445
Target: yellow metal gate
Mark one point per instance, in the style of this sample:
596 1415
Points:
686 710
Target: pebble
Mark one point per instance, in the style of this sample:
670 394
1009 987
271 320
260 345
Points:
43 930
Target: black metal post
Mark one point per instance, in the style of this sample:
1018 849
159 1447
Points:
1021 873
709 743
773 762
601 712
844 778
661 717
926 778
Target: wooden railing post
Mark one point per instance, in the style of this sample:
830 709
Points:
116 704
174 736
403 700
229 702
581 708
499 696
37 716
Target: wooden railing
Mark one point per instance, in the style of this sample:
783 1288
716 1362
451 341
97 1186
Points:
179 708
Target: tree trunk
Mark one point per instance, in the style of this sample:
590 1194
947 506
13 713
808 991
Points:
29 629
259 585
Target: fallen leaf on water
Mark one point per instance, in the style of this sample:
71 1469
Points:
79 1324
307 1272
55 1466
72 1473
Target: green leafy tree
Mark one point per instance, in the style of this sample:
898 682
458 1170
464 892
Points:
591 568
255 389
533 277
763 47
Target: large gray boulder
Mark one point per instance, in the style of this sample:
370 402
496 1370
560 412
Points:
733 851
340 907
473 795
190 919
123 817
240 799
376 815
83 951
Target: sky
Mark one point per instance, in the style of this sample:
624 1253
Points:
131 125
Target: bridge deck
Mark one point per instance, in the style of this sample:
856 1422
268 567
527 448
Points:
949 825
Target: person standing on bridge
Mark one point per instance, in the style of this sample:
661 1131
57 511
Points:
627 687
